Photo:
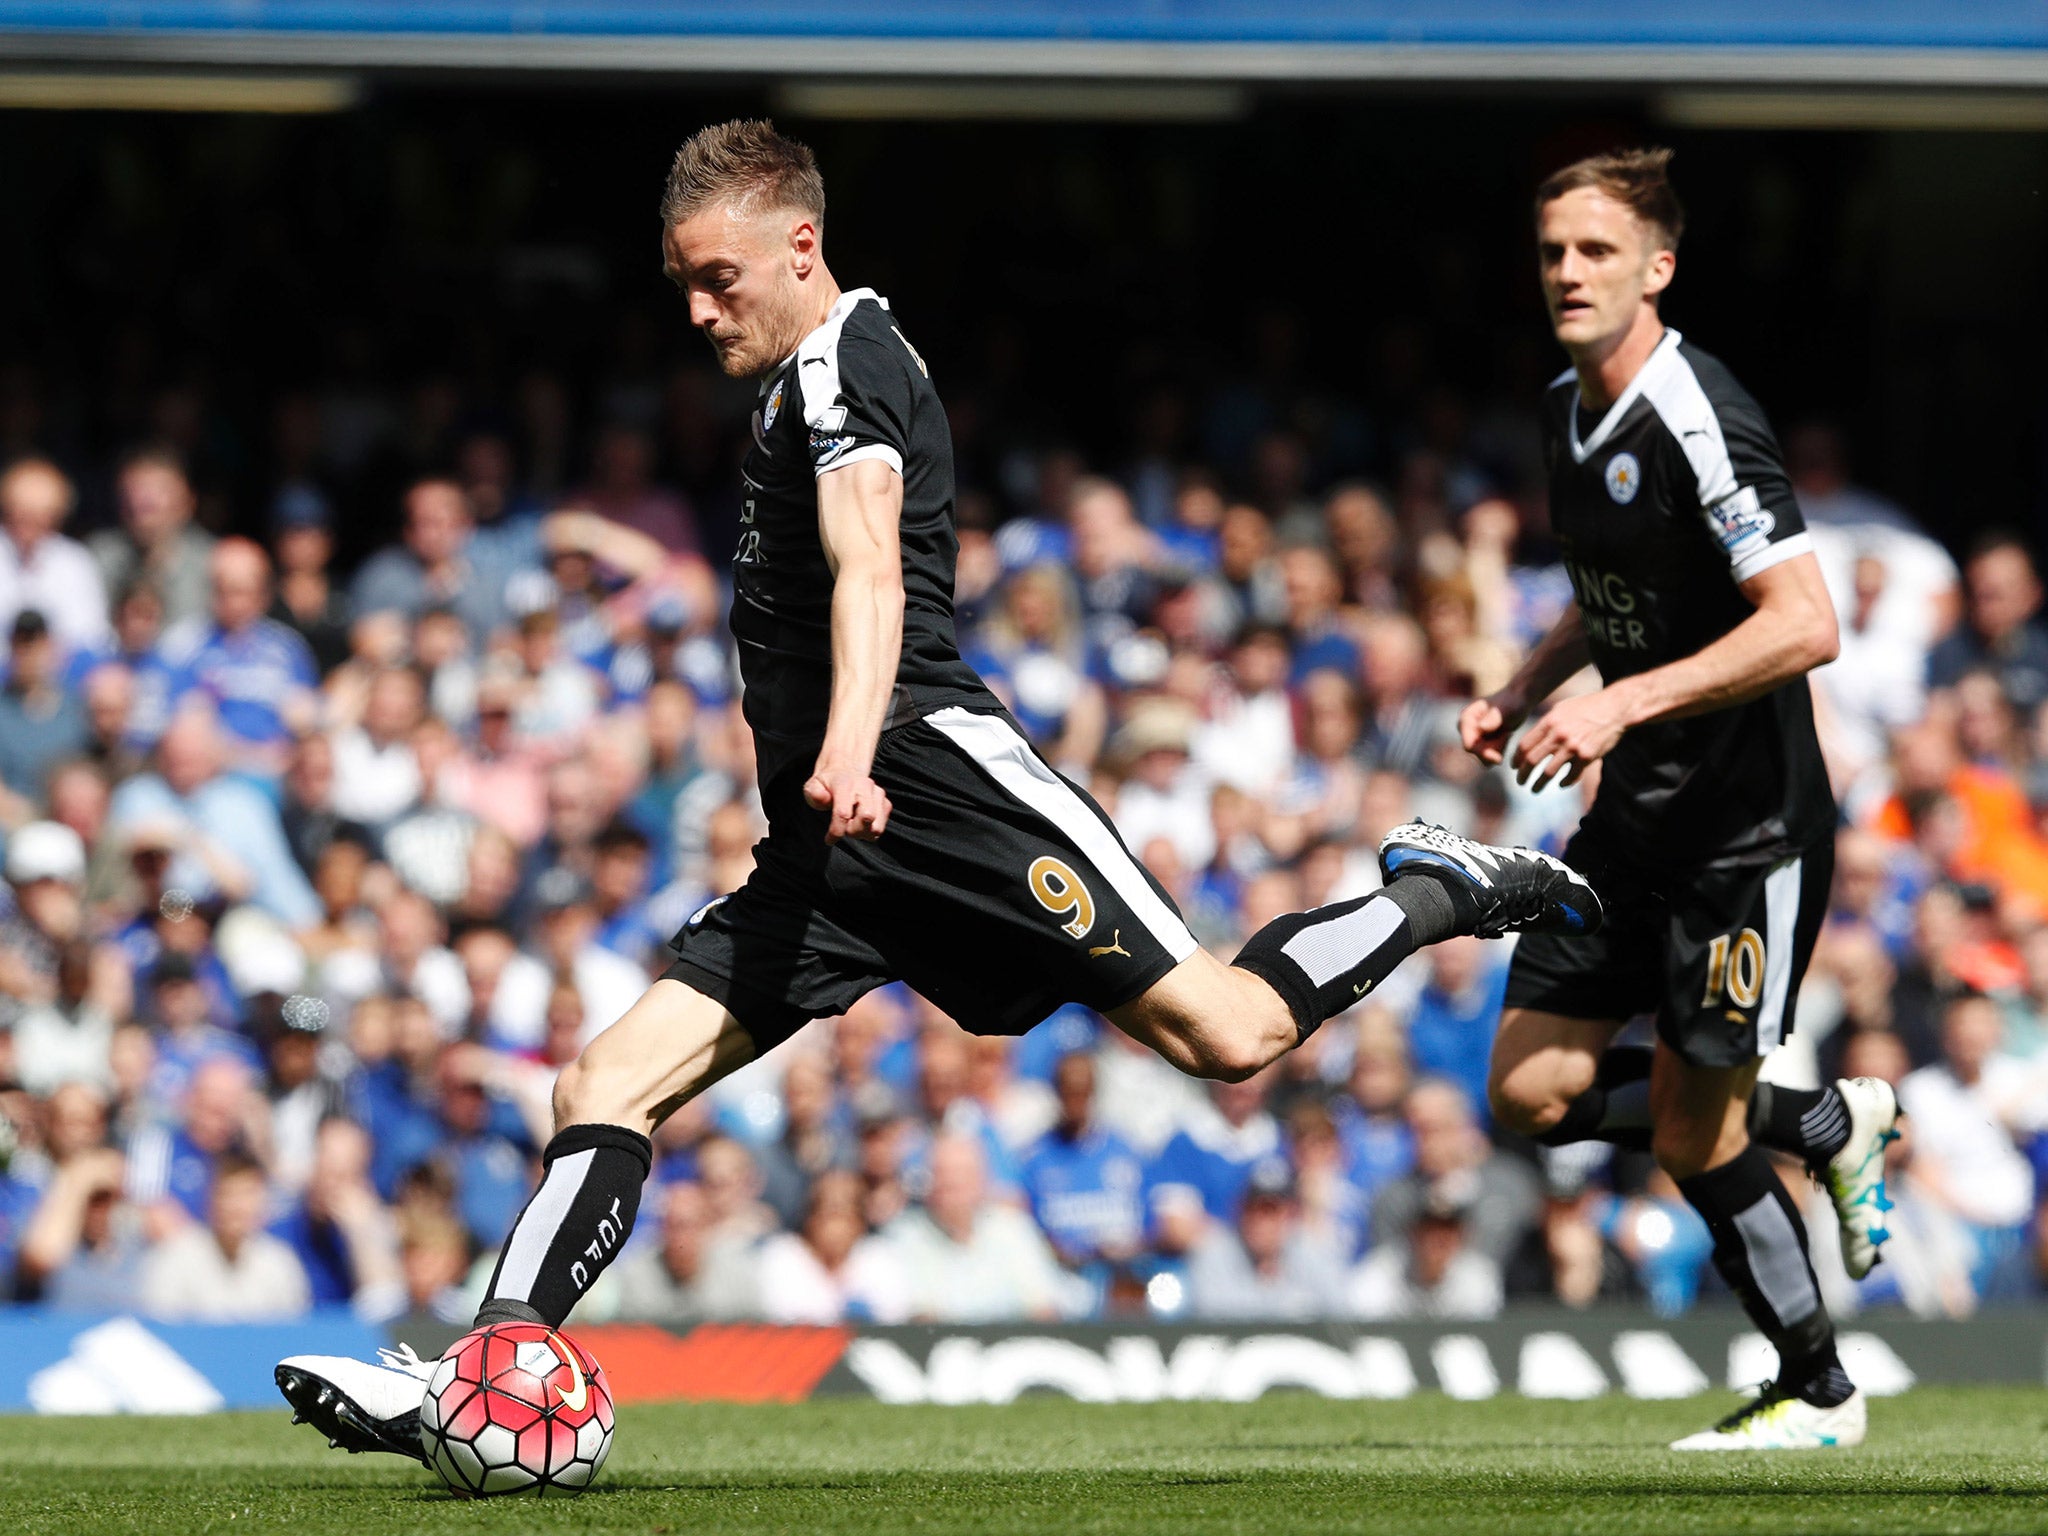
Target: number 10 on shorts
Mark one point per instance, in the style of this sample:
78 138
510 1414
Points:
1735 965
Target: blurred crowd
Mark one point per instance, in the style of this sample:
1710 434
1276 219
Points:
324 853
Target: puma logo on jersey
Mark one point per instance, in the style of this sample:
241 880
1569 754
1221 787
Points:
1097 951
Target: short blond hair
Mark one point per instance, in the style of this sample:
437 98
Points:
744 164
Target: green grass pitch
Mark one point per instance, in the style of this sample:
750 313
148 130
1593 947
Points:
1941 1459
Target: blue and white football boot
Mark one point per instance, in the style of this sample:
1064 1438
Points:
1496 890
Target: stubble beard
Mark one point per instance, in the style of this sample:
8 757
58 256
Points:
764 343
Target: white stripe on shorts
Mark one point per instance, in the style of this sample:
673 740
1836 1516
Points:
1781 936
1008 759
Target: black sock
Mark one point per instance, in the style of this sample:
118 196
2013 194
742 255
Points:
1760 1250
1812 1123
573 1226
1615 1109
1324 961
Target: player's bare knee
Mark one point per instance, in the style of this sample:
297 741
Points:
1527 1110
1530 1097
1230 1057
584 1096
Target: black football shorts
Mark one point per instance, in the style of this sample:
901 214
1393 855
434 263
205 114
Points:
1000 891
1715 952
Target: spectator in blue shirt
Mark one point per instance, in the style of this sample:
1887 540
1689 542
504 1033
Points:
438 565
1314 589
41 722
186 1040
1451 1031
1084 1182
173 1165
1372 1125
128 666
258 674
343 1235
621 860
483 1144
232 843
1199 1176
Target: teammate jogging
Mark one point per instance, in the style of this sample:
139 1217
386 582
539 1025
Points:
1711 838
913 834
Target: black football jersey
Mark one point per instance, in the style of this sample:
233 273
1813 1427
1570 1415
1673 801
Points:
855 389
1672 499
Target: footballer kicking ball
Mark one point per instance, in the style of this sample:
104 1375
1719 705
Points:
516 1408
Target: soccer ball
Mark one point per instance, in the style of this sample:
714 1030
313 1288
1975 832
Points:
516 1408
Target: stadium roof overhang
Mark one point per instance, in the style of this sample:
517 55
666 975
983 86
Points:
1627 43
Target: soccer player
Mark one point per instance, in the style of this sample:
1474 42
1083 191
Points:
913 833
1711 839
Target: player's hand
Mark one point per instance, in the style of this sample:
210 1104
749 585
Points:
1571 735
859 806
1485 724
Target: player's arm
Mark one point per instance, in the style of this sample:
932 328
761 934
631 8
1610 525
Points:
859 508
1791 631
1486 724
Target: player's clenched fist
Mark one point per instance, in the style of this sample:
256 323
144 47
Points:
1486 724
859 806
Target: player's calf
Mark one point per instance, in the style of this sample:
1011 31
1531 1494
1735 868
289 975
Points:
1438 885
671 1045
1702 1141
1550 1081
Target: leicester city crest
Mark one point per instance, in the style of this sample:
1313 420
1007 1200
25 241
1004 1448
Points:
1624 478
774 404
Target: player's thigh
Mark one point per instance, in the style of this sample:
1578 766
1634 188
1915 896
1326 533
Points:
1699 1114
1210 1019
664 1051
1737 945
1001 891
1541 1062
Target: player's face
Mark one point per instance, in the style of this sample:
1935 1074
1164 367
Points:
739 275
1599 264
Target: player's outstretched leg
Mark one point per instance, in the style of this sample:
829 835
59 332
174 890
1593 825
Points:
1702 1140
1215 1020
671 1045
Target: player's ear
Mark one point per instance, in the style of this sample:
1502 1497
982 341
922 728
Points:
803 246
1663 267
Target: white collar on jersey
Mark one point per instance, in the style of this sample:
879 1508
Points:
1659 358
835 317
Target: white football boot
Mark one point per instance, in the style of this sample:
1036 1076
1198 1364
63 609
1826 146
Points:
360 1405
1779 1422
1854 1176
